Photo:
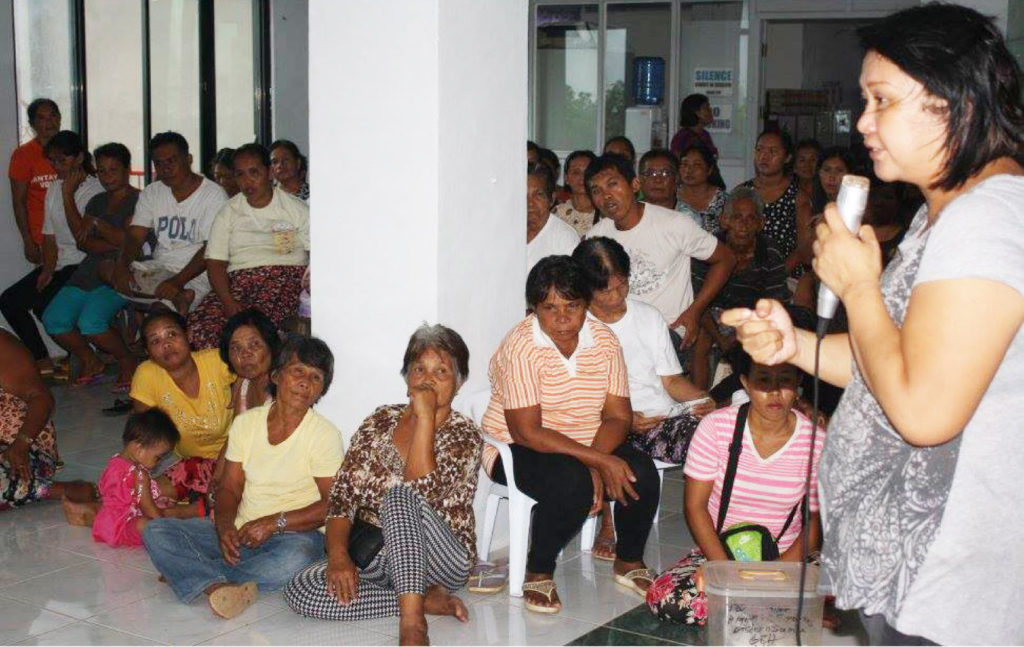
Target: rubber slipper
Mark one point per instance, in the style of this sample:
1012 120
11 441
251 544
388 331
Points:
606 543
120 407
231 599
487 578
545 588
629 579
121 388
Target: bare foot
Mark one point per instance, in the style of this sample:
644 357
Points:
413 632
604 543
438 602
91 367
182 300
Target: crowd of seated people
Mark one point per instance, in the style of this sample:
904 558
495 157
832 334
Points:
235 484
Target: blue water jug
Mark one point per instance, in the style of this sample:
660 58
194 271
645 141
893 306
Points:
648 80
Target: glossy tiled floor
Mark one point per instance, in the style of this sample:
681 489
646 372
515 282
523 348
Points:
59 587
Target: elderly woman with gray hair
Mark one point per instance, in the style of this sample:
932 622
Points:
760 273
400 528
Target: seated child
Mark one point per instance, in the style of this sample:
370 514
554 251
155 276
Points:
129 496
773 457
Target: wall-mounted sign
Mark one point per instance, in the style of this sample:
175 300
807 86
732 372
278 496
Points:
714 81
723 118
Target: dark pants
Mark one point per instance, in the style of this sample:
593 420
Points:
564 492
880 632
19 301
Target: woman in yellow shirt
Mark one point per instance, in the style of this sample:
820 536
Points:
194 389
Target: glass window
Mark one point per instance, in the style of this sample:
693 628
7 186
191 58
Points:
233 56
637 31
566 91
43 41
174 69
113 45
713 61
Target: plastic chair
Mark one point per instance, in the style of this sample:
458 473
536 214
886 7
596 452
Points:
520 508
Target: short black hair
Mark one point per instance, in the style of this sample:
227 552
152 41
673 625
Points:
149 428
249 317
292 148
609 162
442 339
561 273
254 150
689 107
543 171
601 258
787 141
810 142
531 146
961 58
625 140
168 137
33 108
114 151
311 351
573 156
224 157
703 151
662 153
548 157
818 197
157 314
69 143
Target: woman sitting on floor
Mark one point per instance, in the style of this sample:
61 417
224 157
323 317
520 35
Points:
773 457
663 418
194 389
28 443
560 397
400 530
271 500
257 252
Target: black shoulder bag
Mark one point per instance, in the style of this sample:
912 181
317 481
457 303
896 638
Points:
769 544
364 542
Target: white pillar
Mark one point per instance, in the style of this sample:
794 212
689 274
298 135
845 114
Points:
418 129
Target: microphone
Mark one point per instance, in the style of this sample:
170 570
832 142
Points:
853 198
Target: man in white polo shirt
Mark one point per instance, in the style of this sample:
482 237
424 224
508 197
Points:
545 236
178 209
660 243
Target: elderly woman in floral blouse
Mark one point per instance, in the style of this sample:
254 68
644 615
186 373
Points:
400 529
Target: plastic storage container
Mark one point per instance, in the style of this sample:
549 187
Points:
755 603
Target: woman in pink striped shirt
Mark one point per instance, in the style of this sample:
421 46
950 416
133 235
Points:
768 488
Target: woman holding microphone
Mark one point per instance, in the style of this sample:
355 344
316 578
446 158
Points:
920 469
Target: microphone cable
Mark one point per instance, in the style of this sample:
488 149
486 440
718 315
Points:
805 515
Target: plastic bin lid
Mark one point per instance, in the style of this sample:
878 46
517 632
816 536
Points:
758 578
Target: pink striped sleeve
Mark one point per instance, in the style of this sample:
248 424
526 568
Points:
702 458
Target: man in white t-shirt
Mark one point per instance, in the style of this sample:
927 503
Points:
179 209
545 236
660 243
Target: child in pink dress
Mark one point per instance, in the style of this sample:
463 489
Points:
130 497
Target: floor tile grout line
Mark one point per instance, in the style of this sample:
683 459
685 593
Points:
34 577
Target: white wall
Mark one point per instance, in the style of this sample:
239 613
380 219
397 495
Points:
784 64
289 34
436 232
12 263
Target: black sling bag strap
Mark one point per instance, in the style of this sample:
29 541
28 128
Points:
730 474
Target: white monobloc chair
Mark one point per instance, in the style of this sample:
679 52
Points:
520 506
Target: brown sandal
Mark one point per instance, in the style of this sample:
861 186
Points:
231 599
544 588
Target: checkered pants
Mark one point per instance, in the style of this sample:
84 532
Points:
419 551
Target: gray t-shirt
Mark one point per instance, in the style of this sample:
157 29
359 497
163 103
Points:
930 536
87 277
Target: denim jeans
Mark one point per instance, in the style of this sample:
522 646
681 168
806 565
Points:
187 553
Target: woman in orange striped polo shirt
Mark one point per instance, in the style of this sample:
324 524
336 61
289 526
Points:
560 397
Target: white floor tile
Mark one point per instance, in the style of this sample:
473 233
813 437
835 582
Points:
84 590
499 623
163 618
28 520
79 540
92 456
287 628
19 621
86 633
24 558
